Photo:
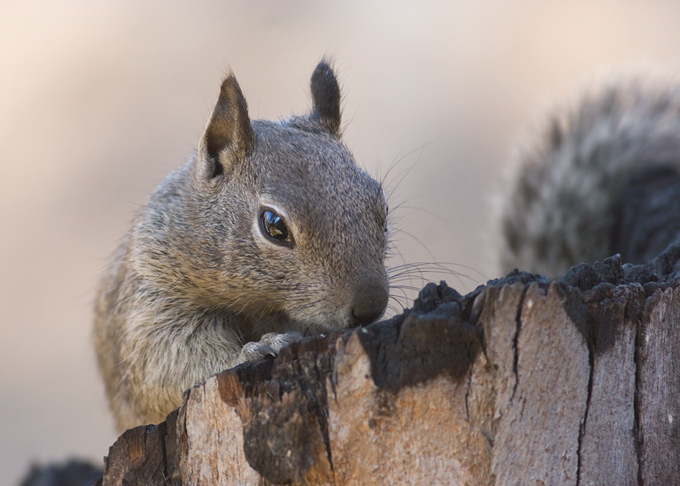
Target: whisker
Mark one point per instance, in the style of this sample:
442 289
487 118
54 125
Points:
417 240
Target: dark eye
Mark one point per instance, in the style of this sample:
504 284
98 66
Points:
274 228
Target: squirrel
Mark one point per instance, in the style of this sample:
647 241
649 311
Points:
599 177
270 231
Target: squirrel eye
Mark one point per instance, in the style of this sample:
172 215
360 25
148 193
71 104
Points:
273 227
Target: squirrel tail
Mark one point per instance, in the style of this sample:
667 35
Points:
598 178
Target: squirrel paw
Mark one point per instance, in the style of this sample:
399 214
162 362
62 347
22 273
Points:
269 345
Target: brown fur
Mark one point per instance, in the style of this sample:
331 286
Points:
197 286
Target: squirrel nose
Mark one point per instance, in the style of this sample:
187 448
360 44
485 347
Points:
370 301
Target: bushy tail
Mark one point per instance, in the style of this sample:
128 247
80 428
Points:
598 178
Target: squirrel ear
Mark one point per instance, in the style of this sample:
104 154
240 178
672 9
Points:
228 137
326 97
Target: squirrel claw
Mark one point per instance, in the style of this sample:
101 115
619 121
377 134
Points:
279 341
269 345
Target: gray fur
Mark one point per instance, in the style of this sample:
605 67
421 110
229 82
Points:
572 176
196 279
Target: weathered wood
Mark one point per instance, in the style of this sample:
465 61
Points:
521 382
608 447
418 432
538 431
658 397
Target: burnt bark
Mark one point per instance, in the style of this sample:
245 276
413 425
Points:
523 381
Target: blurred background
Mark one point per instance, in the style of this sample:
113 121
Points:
100 100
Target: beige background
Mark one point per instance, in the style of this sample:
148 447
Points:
100 100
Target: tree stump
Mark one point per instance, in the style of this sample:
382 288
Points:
523 381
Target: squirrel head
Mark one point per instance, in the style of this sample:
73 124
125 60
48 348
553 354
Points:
278 221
